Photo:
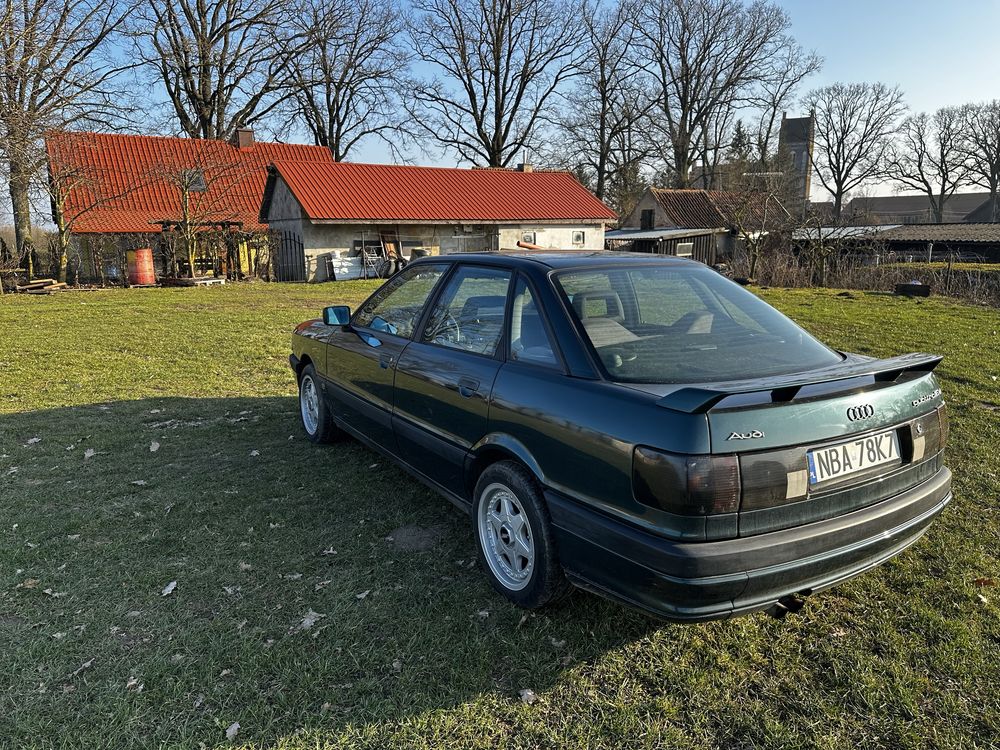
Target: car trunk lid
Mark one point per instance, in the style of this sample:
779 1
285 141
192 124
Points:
785 430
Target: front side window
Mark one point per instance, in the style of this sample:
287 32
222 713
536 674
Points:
469 314
685 325
529 340
397 306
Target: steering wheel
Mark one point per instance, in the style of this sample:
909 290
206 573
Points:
447 329
616 356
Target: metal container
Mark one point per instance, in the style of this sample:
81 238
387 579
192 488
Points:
140 267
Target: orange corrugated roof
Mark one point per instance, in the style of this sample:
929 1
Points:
126 183
339 191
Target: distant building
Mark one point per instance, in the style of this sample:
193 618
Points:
908 242
704 224
341 220
916 209
796 138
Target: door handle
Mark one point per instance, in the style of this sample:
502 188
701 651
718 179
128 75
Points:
385 361
468 387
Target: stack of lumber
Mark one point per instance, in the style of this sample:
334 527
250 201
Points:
41 286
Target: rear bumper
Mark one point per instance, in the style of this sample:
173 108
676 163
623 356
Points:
694 581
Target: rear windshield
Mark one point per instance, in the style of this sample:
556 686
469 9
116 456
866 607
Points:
685 325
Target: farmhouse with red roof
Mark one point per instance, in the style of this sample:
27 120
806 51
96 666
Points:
342 220
116 192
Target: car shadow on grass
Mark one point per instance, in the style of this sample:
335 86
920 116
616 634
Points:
316 586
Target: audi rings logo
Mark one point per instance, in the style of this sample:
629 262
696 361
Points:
857 413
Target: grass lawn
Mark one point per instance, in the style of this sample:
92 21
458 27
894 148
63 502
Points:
324 599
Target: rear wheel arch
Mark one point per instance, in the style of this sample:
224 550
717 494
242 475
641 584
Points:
495 448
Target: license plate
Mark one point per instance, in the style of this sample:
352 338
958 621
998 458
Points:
852 457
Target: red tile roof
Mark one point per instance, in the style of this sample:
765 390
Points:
126 183
377 192
715 209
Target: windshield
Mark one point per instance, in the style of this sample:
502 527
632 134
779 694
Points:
685 325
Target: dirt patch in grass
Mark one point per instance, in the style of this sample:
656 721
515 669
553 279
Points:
417 538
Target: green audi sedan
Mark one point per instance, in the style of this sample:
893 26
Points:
635 425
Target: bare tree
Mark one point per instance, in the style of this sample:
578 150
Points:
348 78
706 56
981 144
54 71
222 63
603 126
928 156
203 183
499 65
855 123
754 204
715 140
778 88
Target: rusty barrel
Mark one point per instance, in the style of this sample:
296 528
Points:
140 267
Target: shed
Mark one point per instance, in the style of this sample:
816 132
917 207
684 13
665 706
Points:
341 220
720 215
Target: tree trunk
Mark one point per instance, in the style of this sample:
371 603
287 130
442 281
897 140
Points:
189 246
937 208
20 182
682 163
994 204
754 252
838 206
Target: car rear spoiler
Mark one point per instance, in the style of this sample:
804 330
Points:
701 398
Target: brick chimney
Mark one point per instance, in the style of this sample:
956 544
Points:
243 138
525 167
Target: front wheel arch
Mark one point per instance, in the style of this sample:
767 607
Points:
304 360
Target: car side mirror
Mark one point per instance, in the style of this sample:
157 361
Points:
337 315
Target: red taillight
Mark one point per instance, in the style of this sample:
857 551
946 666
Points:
943 419
687 485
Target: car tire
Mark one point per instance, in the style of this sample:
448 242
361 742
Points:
316 419
514 537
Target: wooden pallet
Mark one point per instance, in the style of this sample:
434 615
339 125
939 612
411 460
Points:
200 281
41 286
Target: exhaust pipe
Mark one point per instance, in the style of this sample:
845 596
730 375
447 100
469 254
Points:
788 603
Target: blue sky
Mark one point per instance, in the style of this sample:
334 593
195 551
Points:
939 53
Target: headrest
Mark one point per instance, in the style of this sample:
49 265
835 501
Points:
483 304
612 305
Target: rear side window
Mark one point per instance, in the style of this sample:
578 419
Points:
397 306
658 324
469 313
529 339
